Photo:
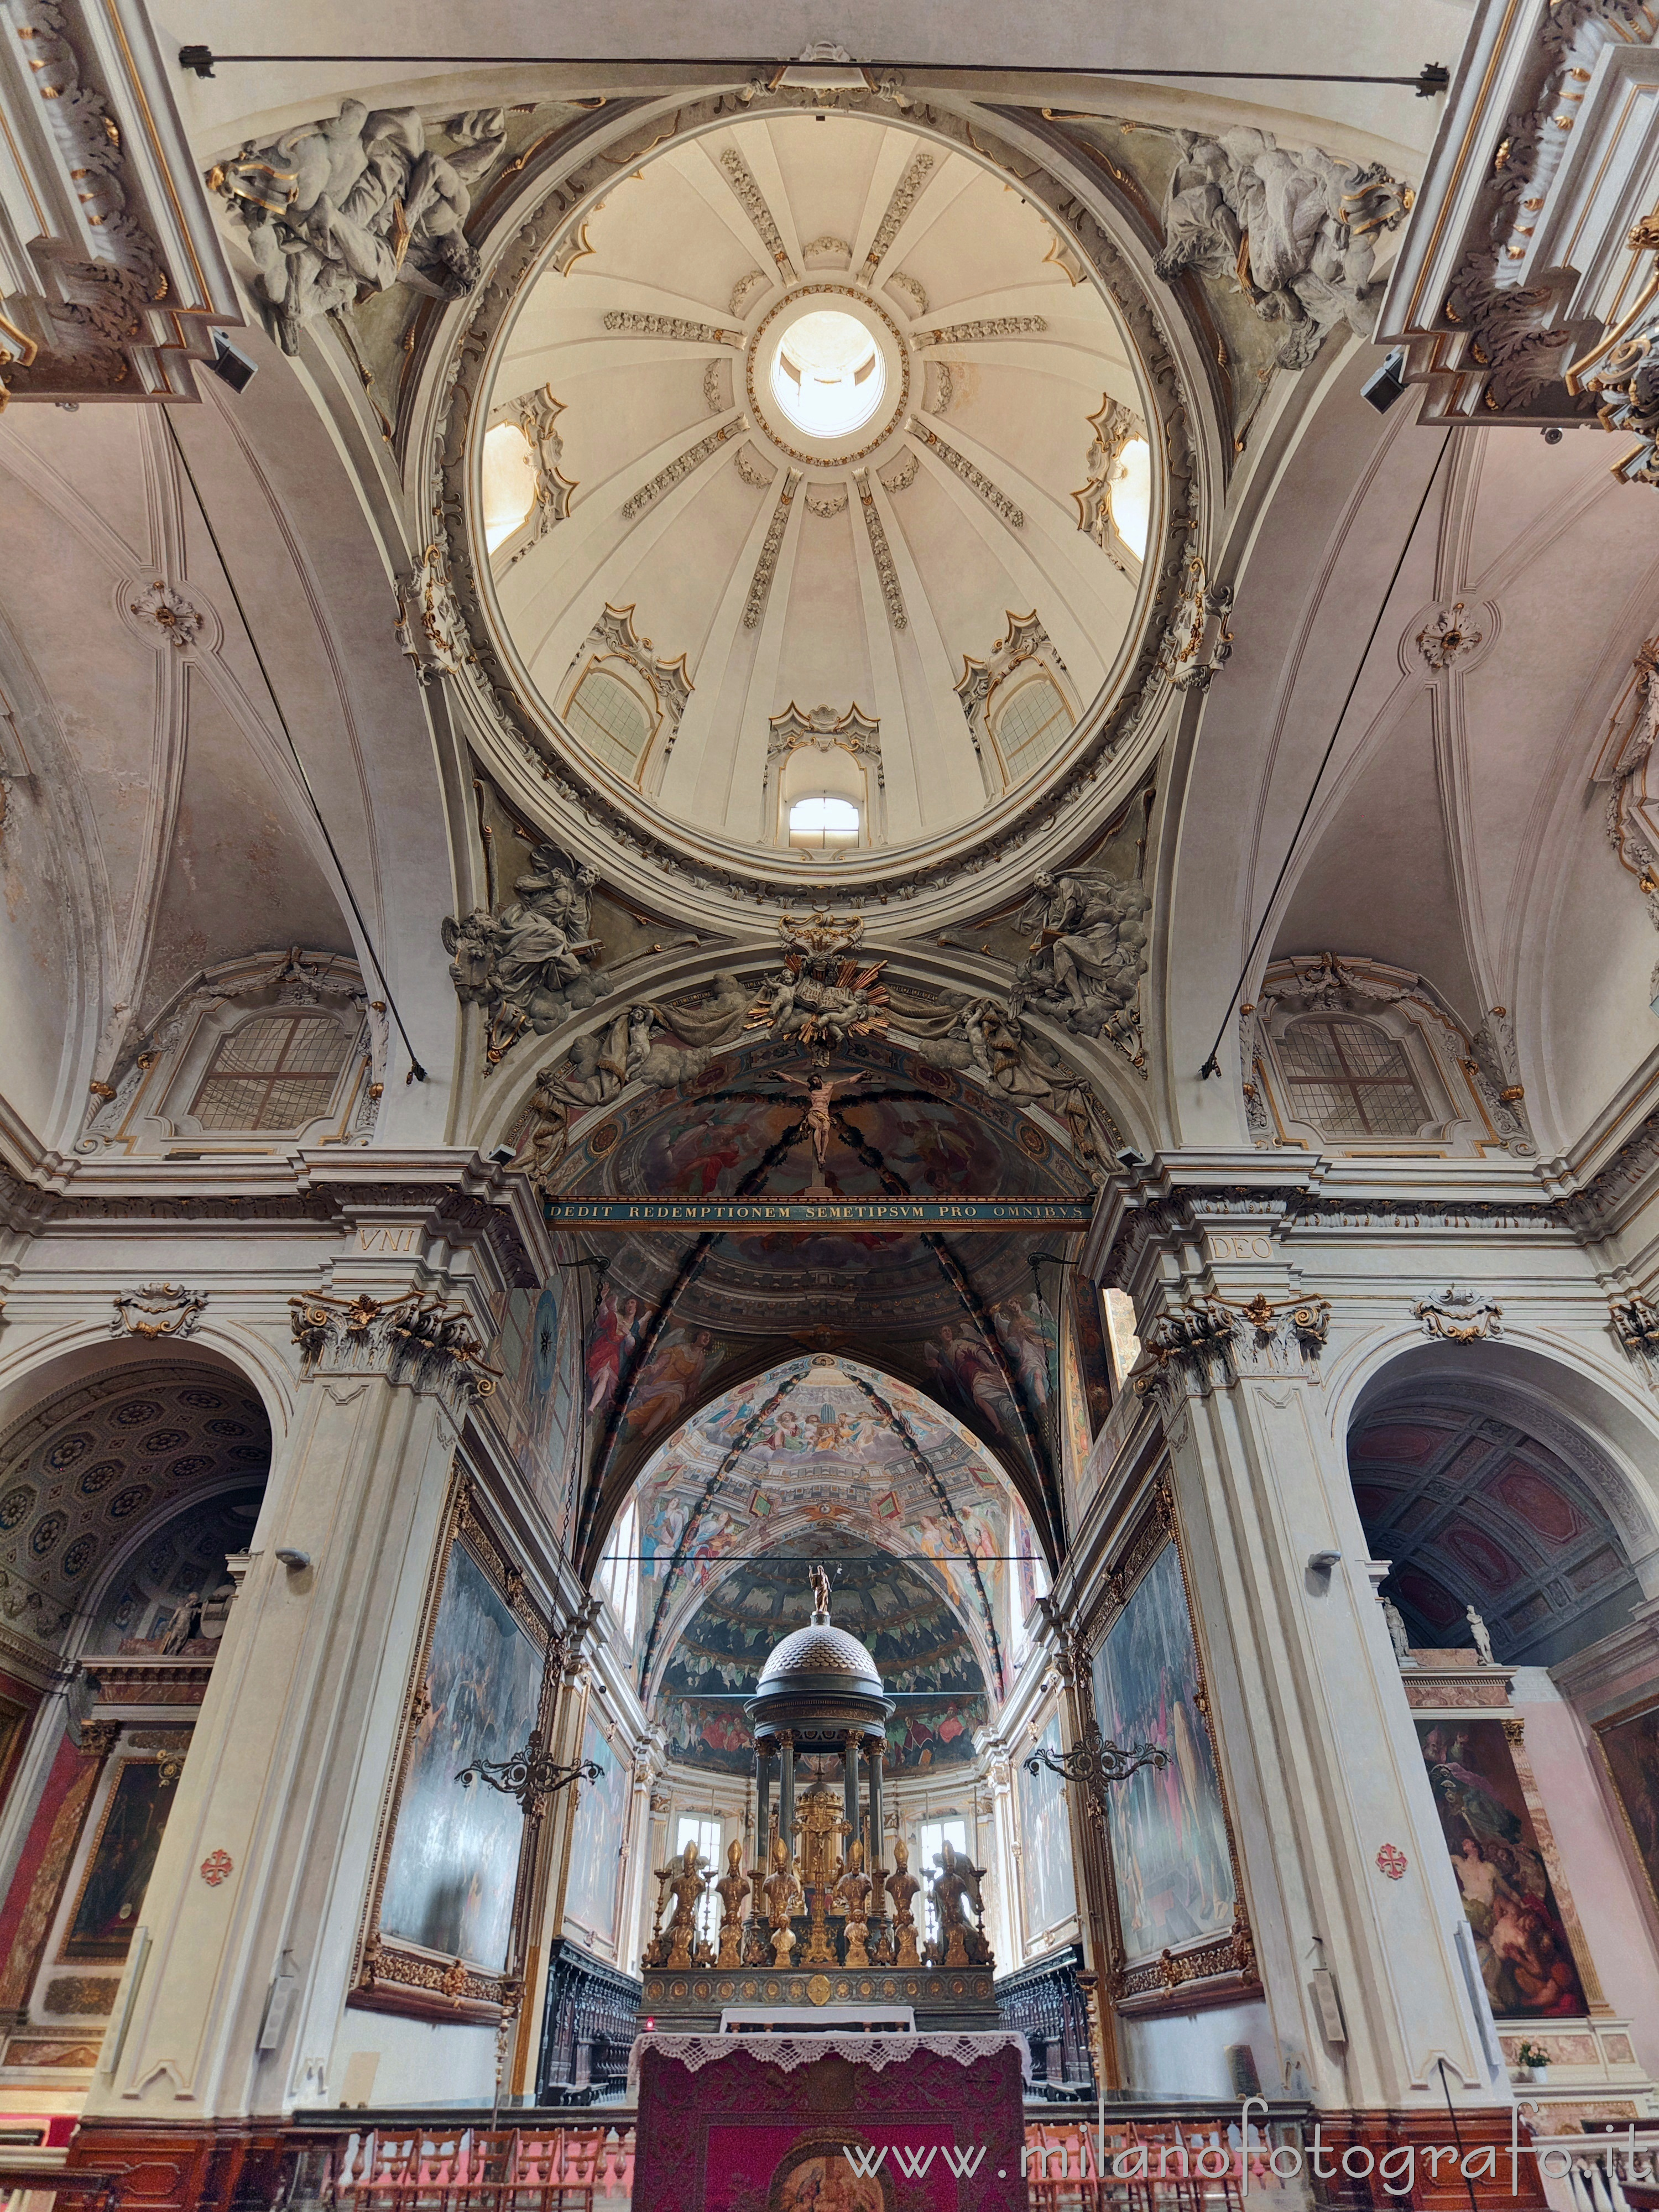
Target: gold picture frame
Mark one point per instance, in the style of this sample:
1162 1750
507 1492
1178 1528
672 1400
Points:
391 1973
1213 1967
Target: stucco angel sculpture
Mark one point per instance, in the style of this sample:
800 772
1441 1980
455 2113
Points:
358 199
527 962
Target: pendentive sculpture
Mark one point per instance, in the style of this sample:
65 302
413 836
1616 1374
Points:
356 200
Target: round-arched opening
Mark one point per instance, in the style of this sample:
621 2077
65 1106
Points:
828 374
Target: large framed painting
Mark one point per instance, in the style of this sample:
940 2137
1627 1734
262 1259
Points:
1630 1748
1183 1932
439 1932
597 1836
1521 1937
1047 1886
122 1858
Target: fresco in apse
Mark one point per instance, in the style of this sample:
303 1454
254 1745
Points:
912 1126
923 1653
824 1457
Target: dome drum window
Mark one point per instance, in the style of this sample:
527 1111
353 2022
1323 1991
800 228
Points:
623 701
823 791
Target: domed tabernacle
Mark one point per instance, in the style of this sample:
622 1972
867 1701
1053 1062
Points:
813 1654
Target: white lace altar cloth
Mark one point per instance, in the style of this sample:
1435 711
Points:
789 2052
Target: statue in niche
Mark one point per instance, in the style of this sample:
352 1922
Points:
904 1888
184 1625
1398 1635
732 1888
960 1943
853 1899
358 202
1295 232
1089 954
780 1890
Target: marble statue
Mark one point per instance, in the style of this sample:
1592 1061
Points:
524 965
1481 1635
358 201
955 1887
1295 232
183 1624
732 1888
904 1888
1397 1634
819 1578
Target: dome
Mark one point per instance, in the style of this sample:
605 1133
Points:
815 1651
814 518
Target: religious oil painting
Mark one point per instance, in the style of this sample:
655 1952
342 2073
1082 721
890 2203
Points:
1630 1745
122 1859
1045 1835
817 2178
1169 1825
596 1843
454 1853
1520 1936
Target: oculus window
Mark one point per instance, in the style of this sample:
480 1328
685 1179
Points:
276 1071
1351 1079
828 374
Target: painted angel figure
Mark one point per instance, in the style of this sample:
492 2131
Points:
820 1090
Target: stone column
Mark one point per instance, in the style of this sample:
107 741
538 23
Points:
270 1850
786 1789
1341 1860
875 1750
762 1816
850 1807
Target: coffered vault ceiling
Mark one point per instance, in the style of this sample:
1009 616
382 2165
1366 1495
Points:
914 611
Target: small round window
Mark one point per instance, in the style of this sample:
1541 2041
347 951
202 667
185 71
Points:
828 374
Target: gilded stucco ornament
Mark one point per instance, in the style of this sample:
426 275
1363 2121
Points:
158 1309
1460 1316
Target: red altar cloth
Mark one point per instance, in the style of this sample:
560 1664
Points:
742 2123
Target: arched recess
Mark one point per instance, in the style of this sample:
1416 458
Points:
929 1548
126 1496
682 1316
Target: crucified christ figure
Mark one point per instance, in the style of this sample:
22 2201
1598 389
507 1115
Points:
819 1091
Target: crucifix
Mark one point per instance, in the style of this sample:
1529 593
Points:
820 1092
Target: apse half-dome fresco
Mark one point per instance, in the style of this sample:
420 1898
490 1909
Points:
932 1560
814 491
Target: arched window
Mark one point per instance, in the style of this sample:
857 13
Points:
1030 725
1350 1079
822 824
509 483
276 1071
611 720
